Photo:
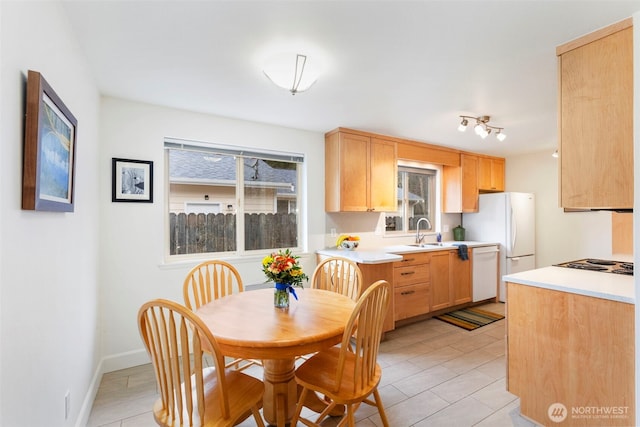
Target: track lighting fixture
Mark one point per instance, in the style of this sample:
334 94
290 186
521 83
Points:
482 129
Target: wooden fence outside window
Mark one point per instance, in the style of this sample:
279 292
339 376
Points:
203 233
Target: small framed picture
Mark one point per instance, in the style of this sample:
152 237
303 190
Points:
132 181
49 149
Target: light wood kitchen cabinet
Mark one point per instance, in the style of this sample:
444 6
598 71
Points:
371 273
411 278
360 173
561 350
450 279
490 174
596 119
460 277
441 295
460 186
428 153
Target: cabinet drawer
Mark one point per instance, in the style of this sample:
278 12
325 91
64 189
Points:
410 301
410 275
413 259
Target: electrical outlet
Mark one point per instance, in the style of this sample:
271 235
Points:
67 404
445 228
333 232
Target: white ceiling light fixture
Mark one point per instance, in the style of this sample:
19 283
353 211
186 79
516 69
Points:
294 72
482 129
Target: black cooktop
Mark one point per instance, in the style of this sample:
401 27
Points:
603 265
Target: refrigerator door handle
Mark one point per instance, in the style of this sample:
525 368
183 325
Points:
514 230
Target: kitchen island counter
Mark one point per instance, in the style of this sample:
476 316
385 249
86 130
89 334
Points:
615 287
570 346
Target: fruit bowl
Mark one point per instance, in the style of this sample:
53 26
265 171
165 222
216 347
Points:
349 244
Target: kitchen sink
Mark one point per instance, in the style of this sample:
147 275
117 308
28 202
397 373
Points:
427 245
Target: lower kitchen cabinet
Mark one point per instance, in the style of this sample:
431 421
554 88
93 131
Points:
460 274
411 286
371 273
574 350
441 295
450 279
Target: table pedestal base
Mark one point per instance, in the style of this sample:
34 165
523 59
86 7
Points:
280 391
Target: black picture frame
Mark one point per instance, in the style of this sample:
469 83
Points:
48 173
131 180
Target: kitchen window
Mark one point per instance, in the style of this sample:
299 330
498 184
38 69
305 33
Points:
416 199
229 200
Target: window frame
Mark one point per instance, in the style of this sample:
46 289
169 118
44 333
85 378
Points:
240 153
437 201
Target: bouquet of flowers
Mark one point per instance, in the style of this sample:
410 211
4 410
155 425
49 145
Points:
283 267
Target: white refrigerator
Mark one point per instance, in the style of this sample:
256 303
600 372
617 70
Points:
507 219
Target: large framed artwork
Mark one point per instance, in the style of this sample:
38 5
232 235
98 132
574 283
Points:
49 149
132 180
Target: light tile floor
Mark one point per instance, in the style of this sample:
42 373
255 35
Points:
434 374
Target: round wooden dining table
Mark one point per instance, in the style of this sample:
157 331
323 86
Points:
247 325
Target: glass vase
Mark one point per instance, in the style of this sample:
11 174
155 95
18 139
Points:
281 296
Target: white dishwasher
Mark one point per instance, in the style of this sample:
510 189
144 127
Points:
485 272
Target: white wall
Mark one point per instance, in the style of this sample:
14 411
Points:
49 263
132 234
560 236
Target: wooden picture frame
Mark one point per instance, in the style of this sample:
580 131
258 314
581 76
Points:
132 180
48 174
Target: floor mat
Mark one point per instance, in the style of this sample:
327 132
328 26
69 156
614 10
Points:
470 318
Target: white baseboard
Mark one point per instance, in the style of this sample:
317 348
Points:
125 360
108 364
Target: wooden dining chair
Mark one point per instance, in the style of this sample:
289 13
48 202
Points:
190 393
339 275
208 281
211 280
348 376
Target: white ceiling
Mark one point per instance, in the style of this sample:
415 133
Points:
401 68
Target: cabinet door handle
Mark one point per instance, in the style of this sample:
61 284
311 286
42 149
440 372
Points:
407 292
408 260
406 273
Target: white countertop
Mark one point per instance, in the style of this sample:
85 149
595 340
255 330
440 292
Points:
400 249
393 253
362 257
615 287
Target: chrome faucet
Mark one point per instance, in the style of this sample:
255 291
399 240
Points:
420 237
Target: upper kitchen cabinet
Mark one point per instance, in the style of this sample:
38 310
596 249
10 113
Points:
460 186
490 174
596 119
360 173
427 153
